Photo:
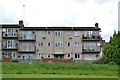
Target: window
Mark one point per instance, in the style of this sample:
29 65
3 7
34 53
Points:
49 44
27 35
88 33
10 44
77 44
68 33
77 55
27 46
77 33
59 44
14 55
48 55
91 46
41 33
68 55
48 32
68 43
40 44
59 33
9 54
42 56
11 31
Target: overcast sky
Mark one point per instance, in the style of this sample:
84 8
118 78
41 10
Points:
78 13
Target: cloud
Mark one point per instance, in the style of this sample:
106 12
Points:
102 1
79 13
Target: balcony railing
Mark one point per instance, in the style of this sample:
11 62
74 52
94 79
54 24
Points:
91 50
15 47
5 35
92 37
27 49
25 37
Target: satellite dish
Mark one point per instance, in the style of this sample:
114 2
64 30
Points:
98 44
4 30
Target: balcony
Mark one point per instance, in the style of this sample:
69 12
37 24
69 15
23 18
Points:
27 38
93 50
27 49
5 35
91 37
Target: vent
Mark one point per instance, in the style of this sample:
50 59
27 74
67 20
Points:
43 37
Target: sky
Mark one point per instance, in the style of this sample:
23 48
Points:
71 13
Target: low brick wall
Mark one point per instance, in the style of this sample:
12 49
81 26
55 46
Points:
7 59
57 60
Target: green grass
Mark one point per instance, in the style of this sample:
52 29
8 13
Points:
54 76
59 70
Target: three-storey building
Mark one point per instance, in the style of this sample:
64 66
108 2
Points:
28 43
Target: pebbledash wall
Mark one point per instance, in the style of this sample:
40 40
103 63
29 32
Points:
27 43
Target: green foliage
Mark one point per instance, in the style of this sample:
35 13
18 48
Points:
112 49
59 69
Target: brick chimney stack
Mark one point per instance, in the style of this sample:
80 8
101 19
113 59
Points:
96 25
21 24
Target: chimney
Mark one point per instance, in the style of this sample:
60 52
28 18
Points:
96 25
21 24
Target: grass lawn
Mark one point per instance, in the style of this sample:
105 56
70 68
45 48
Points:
58 70
54 76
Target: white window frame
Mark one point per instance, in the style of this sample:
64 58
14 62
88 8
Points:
41 44
49 32
11 31
77 33
59 44
41 33
27 47
49 43
10 43
77 44
77 56
59 33
69 44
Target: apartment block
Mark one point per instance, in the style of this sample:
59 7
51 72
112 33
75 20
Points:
36 43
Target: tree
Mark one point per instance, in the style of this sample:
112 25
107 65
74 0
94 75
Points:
112 49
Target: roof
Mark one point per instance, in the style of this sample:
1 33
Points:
10 26
60 28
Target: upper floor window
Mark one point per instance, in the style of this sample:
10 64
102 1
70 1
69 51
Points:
91 46
41 33
49 32
59 33
77 44
27 35
68 32
10 31
59 44
10 44
77 33
49 44
27 46
69 44
88 33
41 44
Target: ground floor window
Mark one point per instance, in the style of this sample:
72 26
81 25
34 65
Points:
68 55
27 56
48 55
58 55
77 55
